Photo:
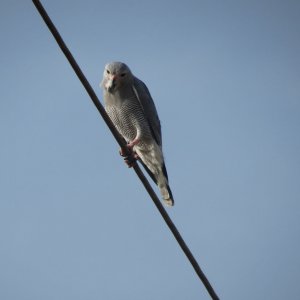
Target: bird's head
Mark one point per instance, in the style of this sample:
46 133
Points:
116 75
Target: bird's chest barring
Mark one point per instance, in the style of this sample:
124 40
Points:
123 121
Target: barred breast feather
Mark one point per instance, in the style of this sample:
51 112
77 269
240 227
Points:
128 117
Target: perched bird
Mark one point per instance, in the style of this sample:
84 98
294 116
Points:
130 107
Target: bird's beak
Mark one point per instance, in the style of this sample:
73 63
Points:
111 84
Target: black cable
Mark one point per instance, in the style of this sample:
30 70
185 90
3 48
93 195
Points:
122 144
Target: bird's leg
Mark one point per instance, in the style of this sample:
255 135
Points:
129 155
131 144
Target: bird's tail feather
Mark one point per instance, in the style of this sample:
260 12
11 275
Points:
167 195
164 188
166 191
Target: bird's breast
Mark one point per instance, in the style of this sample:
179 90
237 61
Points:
122 114
128 117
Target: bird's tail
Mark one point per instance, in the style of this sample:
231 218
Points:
167 195
165 189
162 182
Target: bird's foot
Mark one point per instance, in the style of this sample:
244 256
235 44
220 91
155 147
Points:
129 156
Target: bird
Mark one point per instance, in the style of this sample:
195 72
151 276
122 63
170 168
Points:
131 108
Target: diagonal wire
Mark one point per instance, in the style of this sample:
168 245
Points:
122 144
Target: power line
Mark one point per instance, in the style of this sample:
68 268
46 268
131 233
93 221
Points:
122 144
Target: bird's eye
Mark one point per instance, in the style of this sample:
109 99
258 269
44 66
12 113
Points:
123 74
107 71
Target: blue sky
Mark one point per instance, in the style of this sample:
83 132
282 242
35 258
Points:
75 223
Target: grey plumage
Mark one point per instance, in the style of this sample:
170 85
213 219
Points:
130 106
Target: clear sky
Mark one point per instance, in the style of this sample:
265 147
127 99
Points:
75 223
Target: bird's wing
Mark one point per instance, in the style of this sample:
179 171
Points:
142 93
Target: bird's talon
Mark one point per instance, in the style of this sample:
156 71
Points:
124 152
129 161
